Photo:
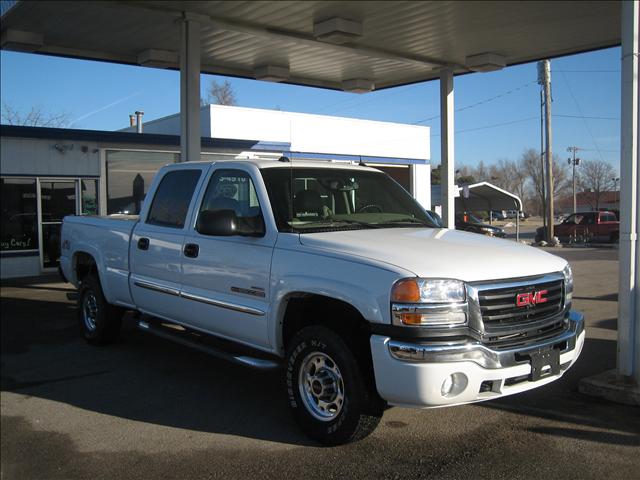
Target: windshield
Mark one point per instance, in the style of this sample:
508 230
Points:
307 200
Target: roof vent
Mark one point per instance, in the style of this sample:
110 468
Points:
158 58
358 85
271 73
20 41
337 30
485 62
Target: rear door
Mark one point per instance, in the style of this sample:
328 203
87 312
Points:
225 288
157 241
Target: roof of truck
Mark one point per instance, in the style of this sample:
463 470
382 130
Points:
274 163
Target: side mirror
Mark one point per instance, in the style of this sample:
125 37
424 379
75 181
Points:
218 223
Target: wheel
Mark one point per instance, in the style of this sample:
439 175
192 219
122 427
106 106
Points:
328 394
614 237
99 321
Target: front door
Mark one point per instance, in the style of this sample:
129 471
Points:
58 198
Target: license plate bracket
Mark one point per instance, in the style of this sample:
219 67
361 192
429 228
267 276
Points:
540 360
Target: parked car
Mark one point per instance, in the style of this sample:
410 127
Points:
470 223
333 274
585 227
499 214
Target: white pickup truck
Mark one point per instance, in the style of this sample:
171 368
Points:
335 274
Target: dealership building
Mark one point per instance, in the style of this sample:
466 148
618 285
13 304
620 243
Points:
48 173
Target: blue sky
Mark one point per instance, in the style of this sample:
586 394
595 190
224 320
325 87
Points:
499 113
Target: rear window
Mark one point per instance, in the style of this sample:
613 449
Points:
171 201
608 217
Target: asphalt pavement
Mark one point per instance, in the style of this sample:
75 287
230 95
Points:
147 408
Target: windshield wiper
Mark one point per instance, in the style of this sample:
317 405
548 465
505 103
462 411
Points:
331 223
408 220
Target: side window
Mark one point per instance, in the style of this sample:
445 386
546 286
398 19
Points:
172 198
234 190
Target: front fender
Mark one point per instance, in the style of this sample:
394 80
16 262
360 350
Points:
365 287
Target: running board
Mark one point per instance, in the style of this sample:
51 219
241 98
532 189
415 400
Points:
179 337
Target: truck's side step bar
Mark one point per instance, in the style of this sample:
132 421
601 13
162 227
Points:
191 339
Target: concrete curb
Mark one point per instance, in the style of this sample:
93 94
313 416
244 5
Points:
610 386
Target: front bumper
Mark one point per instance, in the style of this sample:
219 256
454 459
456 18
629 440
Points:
413 374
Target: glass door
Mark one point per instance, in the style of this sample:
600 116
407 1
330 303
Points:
58 198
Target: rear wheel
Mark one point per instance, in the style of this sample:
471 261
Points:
99 321
328 394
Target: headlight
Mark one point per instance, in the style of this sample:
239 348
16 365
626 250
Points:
428 302
568 285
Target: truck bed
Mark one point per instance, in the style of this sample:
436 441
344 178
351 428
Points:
107 239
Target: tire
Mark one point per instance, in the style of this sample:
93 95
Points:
614 237
99 321
350 410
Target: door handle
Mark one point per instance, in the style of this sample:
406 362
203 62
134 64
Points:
143 243
191 250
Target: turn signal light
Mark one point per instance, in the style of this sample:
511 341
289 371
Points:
406 291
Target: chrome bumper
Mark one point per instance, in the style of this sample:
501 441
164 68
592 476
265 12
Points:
481 354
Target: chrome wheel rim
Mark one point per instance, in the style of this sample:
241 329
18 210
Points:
321 386
89 311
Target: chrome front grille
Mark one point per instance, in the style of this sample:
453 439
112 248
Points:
501 322
498 307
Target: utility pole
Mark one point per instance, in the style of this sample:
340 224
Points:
574 161
545 66
542 169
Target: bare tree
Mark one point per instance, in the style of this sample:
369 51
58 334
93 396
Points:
220 93
530 163
595 177
511 176
36 117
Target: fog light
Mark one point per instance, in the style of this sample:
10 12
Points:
454 385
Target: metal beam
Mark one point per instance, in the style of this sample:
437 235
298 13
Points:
447 157
190 90
629 281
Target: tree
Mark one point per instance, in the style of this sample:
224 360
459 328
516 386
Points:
220 93
35 117
530 163
595 177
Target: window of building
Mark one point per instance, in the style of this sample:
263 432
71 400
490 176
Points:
19 222
129 174
89 191
171 202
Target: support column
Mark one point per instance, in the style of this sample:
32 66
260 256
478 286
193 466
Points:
190 90
629 283
623 384
447 156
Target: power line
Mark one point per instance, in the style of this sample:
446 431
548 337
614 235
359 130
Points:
595 143
492 126
481 102
584 116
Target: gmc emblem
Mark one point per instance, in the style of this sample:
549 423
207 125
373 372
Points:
531 299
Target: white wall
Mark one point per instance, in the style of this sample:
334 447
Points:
306 132
31 157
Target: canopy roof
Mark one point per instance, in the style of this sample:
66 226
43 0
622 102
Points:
386 44
485 196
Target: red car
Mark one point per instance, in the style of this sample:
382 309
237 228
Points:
586 227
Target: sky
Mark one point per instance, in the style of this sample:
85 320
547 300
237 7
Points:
497 117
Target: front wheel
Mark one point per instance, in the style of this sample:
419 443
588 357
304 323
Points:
99 321
328 395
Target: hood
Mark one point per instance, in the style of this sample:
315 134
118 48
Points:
440 253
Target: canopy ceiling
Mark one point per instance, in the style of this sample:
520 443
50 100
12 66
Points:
401 41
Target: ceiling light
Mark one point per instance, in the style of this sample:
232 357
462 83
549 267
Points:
337 30
21 41
485 62
271 73
358 85
158 58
